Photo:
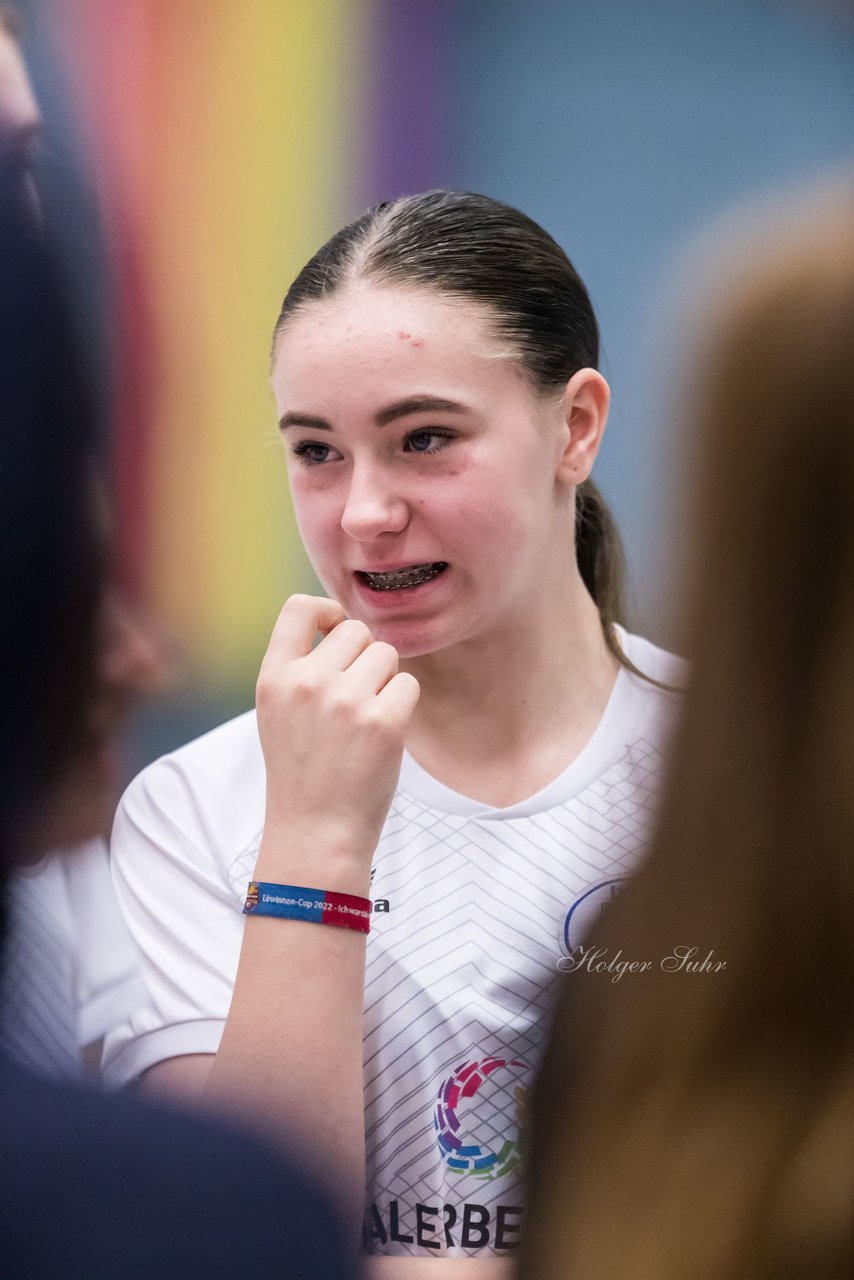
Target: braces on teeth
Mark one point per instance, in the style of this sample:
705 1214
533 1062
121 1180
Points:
404 577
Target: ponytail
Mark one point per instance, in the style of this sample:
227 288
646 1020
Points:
600 555
602 565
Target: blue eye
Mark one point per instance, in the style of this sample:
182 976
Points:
427 440
311 453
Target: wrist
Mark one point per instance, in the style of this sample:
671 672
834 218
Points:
318 859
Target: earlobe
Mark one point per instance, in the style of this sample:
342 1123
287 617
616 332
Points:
585 405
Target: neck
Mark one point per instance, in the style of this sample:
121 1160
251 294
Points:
501 716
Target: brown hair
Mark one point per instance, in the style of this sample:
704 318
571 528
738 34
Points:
53 558
706 1127
476 248
11 22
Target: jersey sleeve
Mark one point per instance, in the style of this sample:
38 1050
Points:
184 916
108 985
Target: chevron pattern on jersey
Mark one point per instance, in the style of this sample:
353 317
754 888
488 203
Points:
475 912
38 999
462 969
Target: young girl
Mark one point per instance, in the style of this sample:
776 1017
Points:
474 743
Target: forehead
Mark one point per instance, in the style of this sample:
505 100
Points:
369 332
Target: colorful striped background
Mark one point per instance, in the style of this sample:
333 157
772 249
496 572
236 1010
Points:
229 139
227 142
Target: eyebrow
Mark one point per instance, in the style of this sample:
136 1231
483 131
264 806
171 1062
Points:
382 418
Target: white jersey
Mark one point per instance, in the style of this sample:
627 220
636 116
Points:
69 968
473 910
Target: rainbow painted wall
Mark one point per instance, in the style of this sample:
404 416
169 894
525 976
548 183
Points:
227 142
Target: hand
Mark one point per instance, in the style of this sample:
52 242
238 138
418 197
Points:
331 723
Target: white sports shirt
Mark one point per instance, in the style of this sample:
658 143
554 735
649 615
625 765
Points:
69 968
474 908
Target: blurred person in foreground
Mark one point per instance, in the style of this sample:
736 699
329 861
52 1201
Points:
20 118
709 1129
91 1186
69 968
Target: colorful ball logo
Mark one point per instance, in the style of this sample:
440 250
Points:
471 1117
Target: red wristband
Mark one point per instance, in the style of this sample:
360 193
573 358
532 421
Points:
321 906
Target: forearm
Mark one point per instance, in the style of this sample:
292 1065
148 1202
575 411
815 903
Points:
331 721
290 1059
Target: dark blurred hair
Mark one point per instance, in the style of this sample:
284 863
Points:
700 1124
477 249
10 21
52 551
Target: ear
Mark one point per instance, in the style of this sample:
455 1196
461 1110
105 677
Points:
585 409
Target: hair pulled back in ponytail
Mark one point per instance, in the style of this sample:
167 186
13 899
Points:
599 551
477 249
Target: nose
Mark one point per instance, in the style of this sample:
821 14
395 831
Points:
373 505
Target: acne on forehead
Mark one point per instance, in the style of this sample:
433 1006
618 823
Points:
374 322
469 325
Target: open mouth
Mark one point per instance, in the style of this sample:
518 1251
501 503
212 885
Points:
412 576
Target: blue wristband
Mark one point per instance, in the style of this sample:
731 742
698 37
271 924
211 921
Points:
321 906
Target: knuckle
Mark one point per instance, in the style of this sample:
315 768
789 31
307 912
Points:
302 684
268 682
269 697
297 603
357 629
387 652
378 724
342 703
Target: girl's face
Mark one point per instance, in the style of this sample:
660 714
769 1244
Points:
425 473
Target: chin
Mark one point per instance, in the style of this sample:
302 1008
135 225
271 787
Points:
412 639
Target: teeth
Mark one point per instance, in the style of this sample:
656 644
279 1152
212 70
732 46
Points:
411 577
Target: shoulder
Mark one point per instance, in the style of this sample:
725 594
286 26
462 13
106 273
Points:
652 700
213 786
654 662
224 756
143 1189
